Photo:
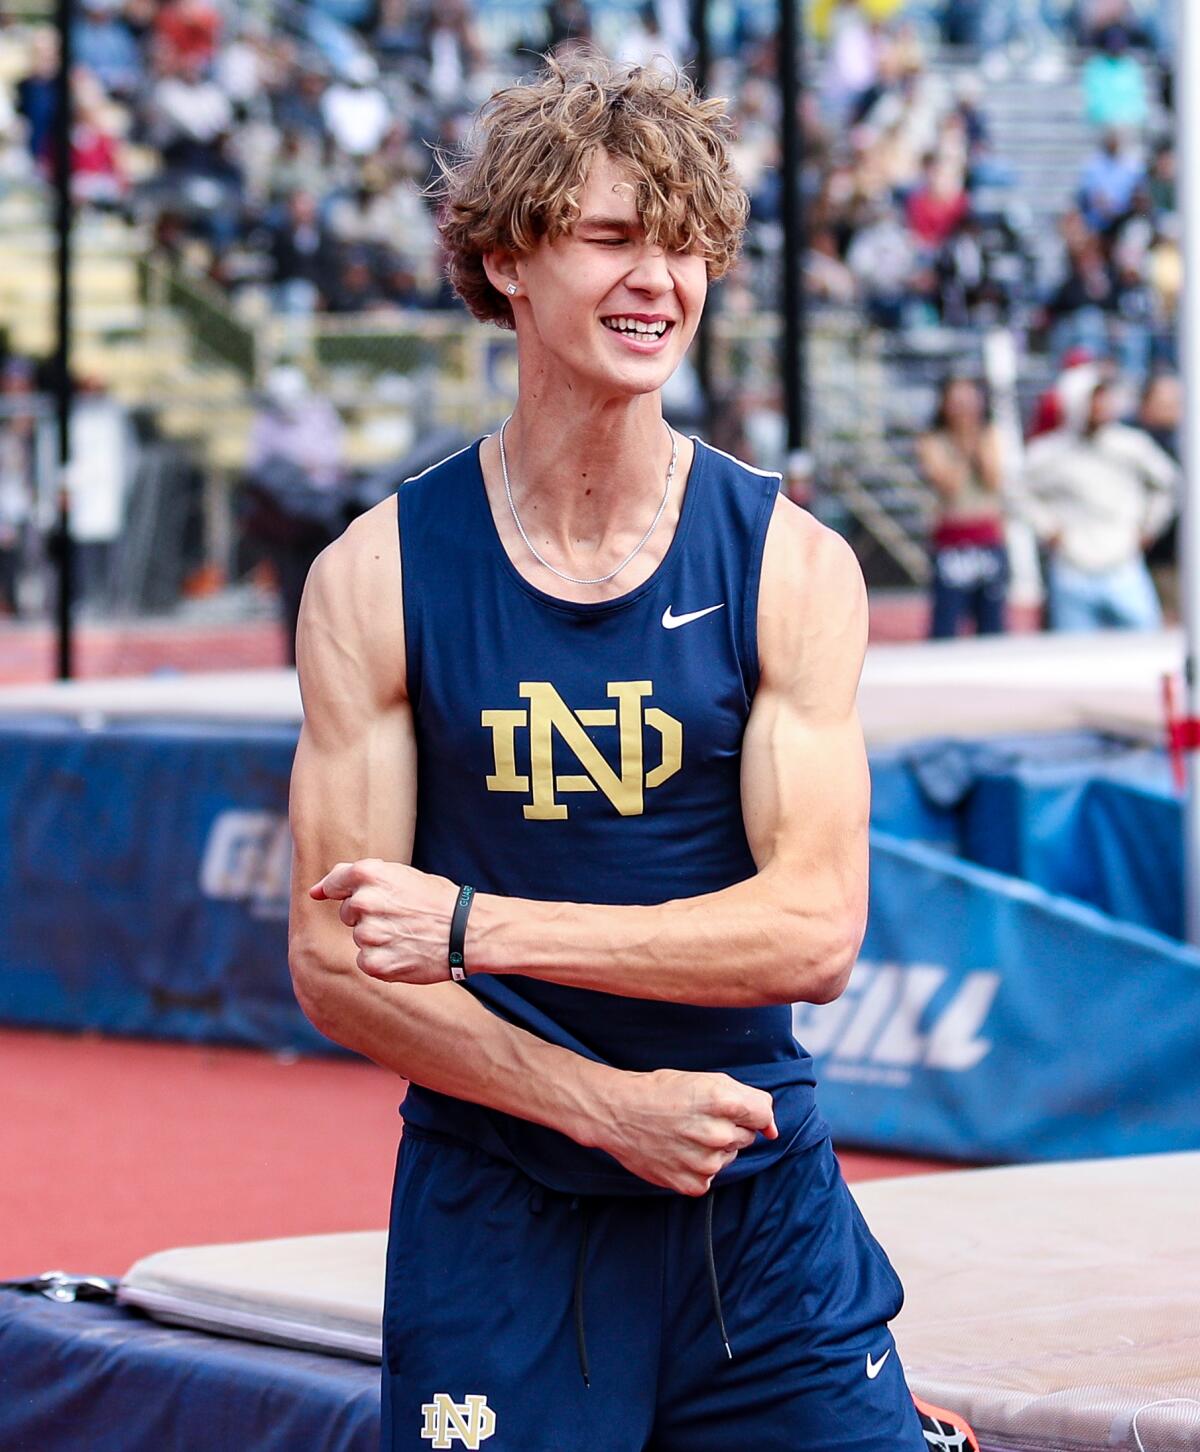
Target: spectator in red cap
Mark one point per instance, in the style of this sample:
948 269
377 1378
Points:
1048 411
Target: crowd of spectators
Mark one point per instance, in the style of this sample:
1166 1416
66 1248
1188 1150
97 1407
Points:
1122 277
1096 488
286 151
289 158
907 199
917 220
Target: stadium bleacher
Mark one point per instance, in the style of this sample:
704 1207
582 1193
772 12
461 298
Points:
180 315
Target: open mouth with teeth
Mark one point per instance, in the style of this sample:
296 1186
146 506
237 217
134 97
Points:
636 328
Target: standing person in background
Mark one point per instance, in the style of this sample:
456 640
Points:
1047 411
293 472
1097 493
103 461
17 480
961 458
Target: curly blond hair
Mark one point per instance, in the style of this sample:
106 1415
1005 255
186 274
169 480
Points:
520 174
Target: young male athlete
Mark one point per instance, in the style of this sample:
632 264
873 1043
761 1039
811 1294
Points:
605 677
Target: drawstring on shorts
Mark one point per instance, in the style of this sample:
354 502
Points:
714 1288
580 1271
537 1201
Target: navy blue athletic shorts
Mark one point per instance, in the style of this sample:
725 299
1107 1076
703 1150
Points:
517 1319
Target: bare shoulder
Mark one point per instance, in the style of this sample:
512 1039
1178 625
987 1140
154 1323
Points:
350 640
812 610
809 568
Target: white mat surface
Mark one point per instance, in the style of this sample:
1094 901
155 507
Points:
1014 683
1050 1304
267 695
1109 681
320 1292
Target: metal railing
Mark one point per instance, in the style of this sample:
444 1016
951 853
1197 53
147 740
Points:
215 331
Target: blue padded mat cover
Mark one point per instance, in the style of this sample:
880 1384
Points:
108 1379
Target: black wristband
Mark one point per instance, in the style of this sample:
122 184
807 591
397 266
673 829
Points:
458 932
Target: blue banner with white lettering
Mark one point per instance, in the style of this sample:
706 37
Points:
988 1019
146 870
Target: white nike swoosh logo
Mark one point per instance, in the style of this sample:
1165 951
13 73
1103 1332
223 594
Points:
673 622
875 1367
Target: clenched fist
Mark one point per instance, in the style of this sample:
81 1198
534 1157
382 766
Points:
400 918
680 1129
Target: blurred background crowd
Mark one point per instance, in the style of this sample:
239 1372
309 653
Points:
265 341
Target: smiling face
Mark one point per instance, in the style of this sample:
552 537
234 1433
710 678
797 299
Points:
601 306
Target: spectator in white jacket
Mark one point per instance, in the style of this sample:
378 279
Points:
355 110
1097 493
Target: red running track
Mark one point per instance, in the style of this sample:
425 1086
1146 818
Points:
115 1148
28 650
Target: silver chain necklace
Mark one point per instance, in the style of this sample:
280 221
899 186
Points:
632 555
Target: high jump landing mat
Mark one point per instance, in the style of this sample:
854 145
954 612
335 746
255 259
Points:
1110 680
1057 1307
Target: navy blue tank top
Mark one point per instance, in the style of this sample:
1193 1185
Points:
592 753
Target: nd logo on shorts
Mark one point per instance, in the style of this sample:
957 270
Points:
548 714
446 1420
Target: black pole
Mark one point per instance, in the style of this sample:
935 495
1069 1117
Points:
793 347
63 549
702 69
702 40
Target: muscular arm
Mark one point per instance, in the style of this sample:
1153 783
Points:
792 931
353 793
353 796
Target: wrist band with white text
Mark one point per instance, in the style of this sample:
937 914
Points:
458 933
